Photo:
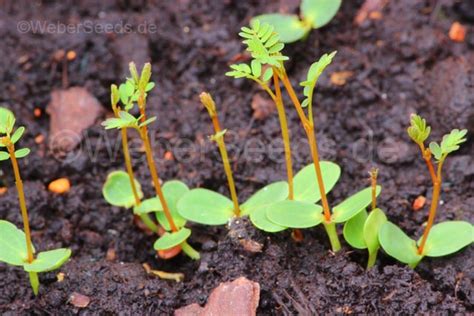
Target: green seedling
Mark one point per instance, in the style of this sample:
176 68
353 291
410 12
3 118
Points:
211 208
265 47
314 15
437 240
122 189
16 247
362 230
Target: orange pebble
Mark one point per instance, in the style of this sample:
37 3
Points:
3 190
39 138
37 112
71 55
61 185
168 155
457 32
419 203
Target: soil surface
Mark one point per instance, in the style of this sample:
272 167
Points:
402 62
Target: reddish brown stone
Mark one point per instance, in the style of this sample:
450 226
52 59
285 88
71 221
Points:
239 297
72 111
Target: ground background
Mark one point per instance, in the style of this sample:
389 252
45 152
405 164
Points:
402 63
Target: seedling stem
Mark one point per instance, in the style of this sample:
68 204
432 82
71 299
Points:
434 202
308 125
208 102
21 198
284 132
34 281
128 165
373 181
332 234
151 162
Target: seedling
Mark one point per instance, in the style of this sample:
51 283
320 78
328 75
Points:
16 247
362 230
441 239
314 15
122 189
211 208
265 47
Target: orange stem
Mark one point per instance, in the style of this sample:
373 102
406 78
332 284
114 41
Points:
227 168
373 180
309 128
152 167
284 133
21 198
431 217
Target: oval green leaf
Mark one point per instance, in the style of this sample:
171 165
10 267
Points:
48 260
169 240
289 27
447 238
4 156
306 187
7 120
372 226
117 189
17 134
295 214
264 197
319 12
353 205
260 220
173 191
12 244
205 207
21 153
398 245
354 230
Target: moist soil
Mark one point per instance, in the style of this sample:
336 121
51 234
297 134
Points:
403 62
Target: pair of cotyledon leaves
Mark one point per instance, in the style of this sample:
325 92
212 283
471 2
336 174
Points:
269 209
13 251
444 238
314 14
370 231
118 192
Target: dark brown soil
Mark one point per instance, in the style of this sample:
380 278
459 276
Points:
403 63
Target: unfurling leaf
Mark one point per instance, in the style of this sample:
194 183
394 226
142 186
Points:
452 141
7 121
114 95
418 130
263 43
313 75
